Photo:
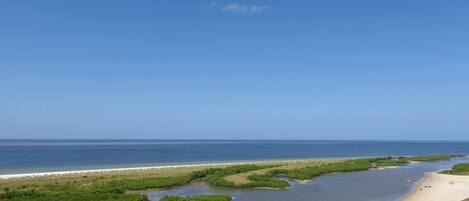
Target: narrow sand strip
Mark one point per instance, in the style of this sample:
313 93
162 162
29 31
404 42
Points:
40 174
440 187
59 173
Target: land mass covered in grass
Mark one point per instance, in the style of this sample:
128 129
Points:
122 187
458 169
428 158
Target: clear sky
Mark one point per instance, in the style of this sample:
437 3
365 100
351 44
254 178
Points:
260 69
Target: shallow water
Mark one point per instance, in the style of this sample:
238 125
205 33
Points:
25 156
372 185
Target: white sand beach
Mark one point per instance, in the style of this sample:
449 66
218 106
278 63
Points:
440 187
58 173
73 172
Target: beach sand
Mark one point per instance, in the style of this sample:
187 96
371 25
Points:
440 187
116 170
150 168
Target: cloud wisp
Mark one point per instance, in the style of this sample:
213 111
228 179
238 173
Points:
244 9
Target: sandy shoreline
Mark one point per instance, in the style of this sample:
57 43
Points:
107 170
440 187
58 173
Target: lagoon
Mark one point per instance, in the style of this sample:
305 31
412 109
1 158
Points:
374 185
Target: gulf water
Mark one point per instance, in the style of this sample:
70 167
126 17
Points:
28 156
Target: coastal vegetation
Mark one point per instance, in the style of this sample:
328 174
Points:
428 158
390 162
124 188
218 178
458 169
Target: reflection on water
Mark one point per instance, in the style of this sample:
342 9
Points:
373 185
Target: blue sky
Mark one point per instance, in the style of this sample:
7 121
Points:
267 69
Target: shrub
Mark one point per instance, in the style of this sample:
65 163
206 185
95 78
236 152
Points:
459 169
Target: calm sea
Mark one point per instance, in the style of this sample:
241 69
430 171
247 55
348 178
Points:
26 156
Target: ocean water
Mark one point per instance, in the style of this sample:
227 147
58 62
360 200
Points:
27 156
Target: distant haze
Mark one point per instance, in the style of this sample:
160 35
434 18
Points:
266 69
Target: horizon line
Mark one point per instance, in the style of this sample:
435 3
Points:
233 139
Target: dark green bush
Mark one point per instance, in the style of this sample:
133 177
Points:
459 169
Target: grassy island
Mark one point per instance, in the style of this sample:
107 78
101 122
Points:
429 158
123 186
458 169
